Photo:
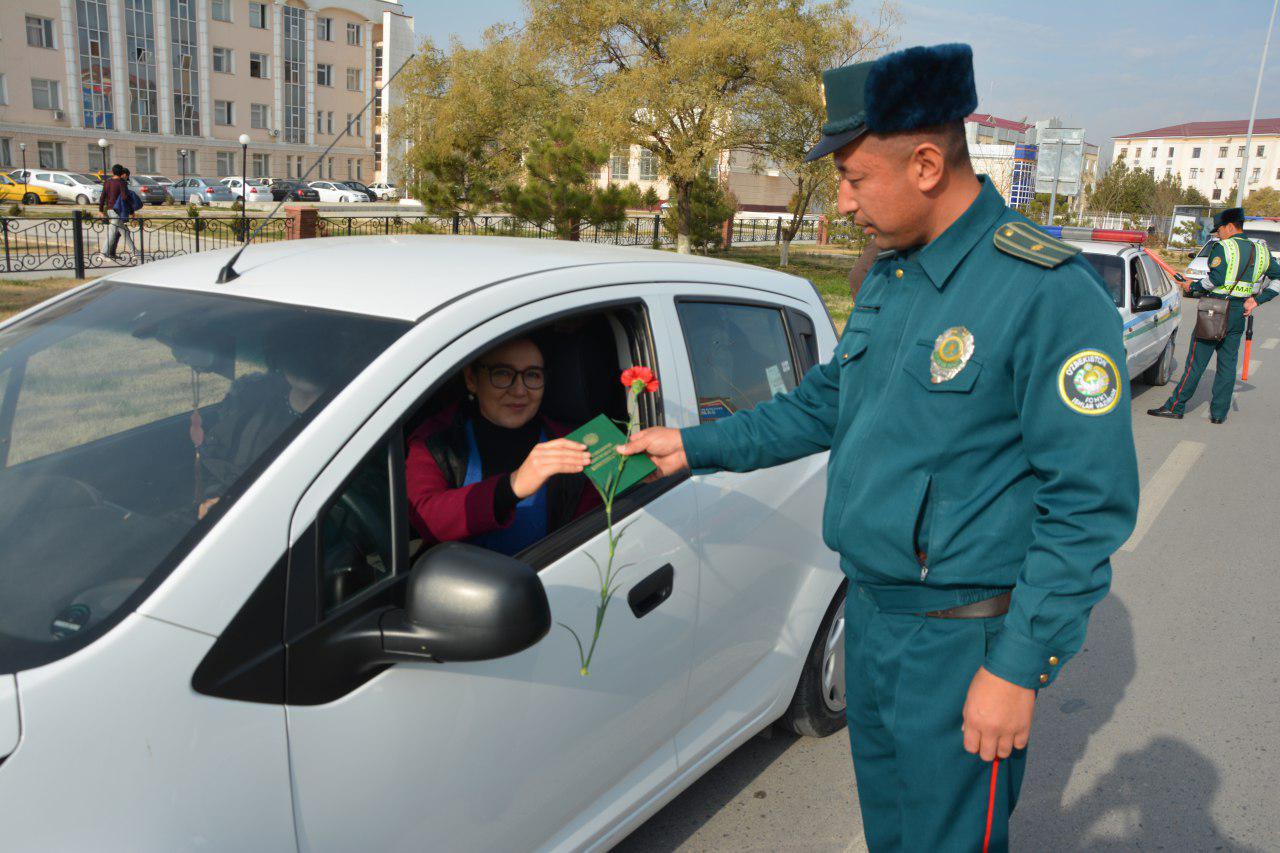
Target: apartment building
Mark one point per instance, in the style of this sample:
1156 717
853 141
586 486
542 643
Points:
171 85
1207 155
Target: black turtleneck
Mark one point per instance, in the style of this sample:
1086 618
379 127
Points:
502 451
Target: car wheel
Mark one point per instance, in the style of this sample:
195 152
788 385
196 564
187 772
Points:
31 198
82 199
1162 371
818 706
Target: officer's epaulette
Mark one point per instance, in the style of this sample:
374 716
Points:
1027 242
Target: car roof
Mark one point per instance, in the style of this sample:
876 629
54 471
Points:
1099 247
333 273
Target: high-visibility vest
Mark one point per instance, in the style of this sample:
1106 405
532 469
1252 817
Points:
1240 282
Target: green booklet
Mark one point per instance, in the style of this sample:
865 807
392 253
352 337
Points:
602 437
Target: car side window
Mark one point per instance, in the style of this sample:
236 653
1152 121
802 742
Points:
357 538
739 353
1137 279
1159 284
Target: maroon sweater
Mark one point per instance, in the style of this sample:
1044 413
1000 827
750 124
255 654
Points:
111 190
445 511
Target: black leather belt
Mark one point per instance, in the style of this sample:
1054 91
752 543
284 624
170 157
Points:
984 609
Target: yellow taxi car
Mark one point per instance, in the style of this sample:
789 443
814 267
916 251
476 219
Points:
16 191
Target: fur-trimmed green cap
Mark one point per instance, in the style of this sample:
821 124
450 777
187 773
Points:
1230 216
910 89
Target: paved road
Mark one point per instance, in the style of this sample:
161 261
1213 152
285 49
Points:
1162 733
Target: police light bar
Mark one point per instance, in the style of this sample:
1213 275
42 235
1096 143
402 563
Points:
1101 235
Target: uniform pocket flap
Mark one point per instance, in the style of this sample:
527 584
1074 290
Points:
852 345
918 365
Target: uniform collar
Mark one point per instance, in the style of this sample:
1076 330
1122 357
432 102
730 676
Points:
940 257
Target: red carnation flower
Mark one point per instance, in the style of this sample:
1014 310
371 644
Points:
640 378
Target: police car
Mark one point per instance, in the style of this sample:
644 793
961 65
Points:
287 667
1149 303
1262 228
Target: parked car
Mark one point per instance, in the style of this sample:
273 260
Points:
200 191
359 187
160 179
293 191
259 189
294 658
385 191
16 192
1255 228
149 189
334 191
75 187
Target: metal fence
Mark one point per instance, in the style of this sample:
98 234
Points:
80 242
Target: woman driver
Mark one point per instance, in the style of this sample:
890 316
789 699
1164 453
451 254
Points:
485 471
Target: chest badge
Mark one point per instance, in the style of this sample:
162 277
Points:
951 352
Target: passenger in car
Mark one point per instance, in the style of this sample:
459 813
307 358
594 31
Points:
488 470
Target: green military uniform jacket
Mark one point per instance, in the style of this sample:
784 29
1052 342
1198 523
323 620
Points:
1217 277
1016 472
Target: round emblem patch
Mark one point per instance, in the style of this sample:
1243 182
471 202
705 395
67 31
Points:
1089 383
951 352
591 439
1215 262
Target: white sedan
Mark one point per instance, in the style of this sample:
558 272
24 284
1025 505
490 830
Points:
258 189
330 191
218 631
385 191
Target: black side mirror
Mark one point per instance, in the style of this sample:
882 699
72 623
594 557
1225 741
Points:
1147 303
465 603
1192 255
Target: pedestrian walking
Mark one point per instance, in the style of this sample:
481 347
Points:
1239 269
981 470
117 207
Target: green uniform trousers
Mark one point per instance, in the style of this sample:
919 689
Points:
1224 379
907 677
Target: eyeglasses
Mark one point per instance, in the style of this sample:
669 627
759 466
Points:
502 376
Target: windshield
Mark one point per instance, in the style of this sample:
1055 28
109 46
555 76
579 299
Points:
81 178
1111 269
130 419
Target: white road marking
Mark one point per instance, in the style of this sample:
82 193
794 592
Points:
1270 343
1161 486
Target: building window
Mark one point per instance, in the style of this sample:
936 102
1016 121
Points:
620 165
144 159
1195 173
220 9
259 66
222 60
1217 194
350 170
353 79
1170 150
258 15
331 168
95 64
1262 151
1218 173
1255 175
1124 152
293 42
359 176
49 155
1236 176
1222 151
228 164
1168 172
6 153
329 124
4 91
1195 153
1240 151
324 74
185 68
319 121
648 165
259 116
140 50
1153 151
223 113
260 165
354 126
39 31
355 34
44 94
324 29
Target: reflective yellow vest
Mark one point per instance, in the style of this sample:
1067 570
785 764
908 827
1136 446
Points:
1244 283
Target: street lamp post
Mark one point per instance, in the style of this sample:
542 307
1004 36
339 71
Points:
22 146
102 146
244 186
182 156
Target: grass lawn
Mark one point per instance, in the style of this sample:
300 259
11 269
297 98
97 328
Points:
827 268
19 294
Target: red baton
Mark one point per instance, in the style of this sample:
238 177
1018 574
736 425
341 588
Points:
1248 347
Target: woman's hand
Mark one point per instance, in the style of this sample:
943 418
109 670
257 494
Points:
560 456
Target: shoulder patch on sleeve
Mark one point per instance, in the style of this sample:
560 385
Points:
1089 383
1028 243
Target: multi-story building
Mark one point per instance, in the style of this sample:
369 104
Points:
759 184
1207 155
172 84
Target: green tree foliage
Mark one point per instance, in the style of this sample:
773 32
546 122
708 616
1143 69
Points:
1262 202
1136 191
709 207
559 189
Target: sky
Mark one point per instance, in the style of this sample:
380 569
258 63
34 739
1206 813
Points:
1109 67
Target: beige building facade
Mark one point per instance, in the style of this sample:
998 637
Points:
1207 155
172 84
758 184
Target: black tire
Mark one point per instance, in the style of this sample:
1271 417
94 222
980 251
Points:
82 199
31 198
1162 371
812 713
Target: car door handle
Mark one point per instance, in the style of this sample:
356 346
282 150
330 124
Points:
652 591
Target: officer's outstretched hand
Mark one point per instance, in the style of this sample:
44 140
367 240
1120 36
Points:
997 716
664 447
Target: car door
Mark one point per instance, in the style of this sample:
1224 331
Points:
518 753
761 539
1164 324
1142 342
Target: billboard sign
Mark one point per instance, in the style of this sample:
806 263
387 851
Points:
1061 157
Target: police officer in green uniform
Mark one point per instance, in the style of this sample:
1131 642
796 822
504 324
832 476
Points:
1237 268
981 470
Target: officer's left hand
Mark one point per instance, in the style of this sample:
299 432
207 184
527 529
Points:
997 716
1249 305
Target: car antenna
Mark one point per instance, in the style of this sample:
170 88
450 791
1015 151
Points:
228 272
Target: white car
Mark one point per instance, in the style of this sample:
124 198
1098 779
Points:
385 191
75 187
287 667
1255 228
1148 301
259 189
330 191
